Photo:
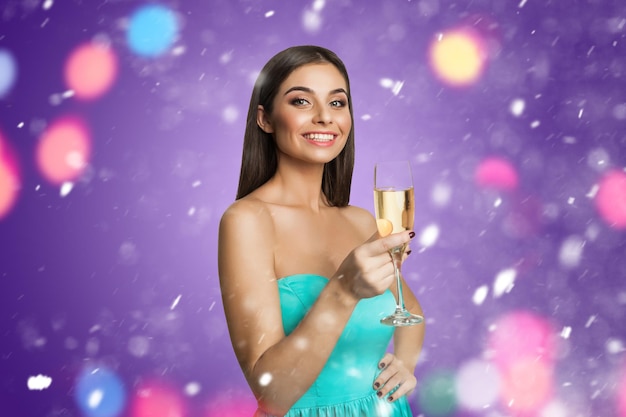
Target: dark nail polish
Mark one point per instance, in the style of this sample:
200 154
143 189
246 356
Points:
376 385
381 365
380 394
412 235
409 252
390 398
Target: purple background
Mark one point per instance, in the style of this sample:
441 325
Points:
92 276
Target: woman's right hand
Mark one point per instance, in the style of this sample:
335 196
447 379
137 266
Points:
368 270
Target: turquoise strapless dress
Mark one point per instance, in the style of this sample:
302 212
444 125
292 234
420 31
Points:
344 387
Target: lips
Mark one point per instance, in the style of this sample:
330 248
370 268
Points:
320 138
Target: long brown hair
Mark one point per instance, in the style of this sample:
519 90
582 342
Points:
259 160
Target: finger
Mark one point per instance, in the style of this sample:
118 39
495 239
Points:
404 388
385 244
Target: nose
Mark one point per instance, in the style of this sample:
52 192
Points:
322 115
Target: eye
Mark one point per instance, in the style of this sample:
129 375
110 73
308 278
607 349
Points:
338 103
299 101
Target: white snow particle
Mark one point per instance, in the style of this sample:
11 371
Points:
39 382
265 379
429 235
480 295
504 282
566 332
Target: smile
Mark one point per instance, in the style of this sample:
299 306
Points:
320 137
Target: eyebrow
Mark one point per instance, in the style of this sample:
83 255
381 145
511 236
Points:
308 90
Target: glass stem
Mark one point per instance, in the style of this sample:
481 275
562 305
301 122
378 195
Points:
397 262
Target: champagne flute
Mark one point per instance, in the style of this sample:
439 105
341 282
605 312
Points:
394 207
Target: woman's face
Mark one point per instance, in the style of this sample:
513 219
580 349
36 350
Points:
311 118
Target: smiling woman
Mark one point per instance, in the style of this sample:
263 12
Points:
303 305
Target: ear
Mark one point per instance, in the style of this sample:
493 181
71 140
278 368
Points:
263 120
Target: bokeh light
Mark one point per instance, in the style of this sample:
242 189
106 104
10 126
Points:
437 394
611 199
527 385
9 178
8 72
477 384
90 70
156 398
100 393
63 150
519 335
458 57
496 172
523 345
231 403
620 393
152 30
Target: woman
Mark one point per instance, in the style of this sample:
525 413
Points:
305 277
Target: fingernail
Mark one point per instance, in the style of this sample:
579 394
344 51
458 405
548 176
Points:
390 398
376 385
381 365
409 252
380 394
412 235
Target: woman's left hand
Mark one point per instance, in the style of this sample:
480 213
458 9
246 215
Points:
394 374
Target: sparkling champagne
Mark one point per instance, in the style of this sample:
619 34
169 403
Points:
395 210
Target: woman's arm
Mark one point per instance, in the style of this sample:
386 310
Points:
280 369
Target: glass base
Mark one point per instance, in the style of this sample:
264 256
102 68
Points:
402 318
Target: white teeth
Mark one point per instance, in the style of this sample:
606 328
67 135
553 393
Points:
320 137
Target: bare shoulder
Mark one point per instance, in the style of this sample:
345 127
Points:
361 219
246 215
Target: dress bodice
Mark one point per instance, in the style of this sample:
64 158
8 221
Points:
344 386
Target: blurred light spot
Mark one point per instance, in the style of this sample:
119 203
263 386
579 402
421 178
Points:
458 57
128 253
598 159
620 393
571 251
39 382
192 389
66 188
47 4
615 346
63 150
318 5
496 172
519 335
8 72
9 179
619 111
517 107
480 295
554 409
99 393
311 21
269 13
229 402
610 199
437 396
156 398
139 346
535 124
504 282
477 385
429 235
90 70
527 385
152 30
230 114
441 194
